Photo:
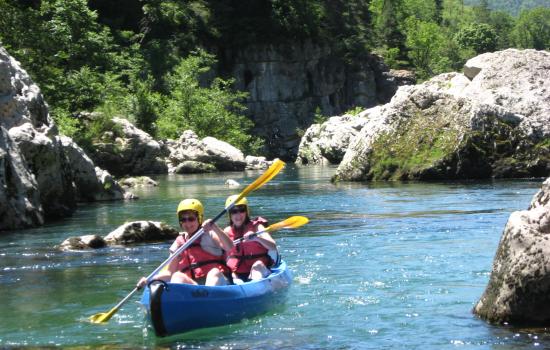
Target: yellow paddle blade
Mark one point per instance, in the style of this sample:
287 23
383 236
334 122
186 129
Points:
102 317
269 174
291 222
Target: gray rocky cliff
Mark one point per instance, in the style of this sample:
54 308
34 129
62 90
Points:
39 176
287 83
518 291
492 121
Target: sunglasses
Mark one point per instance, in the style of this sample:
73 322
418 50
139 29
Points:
237 210
188 218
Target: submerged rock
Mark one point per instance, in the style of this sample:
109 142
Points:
451 127
140 181
82 243
519 287
257 163
141 231
231 183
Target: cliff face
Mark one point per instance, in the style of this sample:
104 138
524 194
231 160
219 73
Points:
288 83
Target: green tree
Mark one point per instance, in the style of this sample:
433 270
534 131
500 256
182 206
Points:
214 110
532 29
482 12
425 43
479 37
503 23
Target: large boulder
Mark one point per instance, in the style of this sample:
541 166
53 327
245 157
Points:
128 150
37 176
327 143
451 127
519 287
209 151
141 231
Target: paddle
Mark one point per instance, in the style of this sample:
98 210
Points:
270 173
291 222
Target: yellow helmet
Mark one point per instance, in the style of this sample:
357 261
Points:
191 204
242 201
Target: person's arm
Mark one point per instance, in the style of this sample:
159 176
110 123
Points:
166 273
264 239
218 235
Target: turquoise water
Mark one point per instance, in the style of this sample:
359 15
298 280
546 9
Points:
380 265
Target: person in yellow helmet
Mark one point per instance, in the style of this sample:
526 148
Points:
251 258
204 261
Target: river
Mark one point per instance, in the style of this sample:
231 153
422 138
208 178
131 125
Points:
379 265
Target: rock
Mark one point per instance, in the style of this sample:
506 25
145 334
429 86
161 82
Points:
194 167
141 231
129 151
223 155
496 125
189 147
516 80
140 181
402 77
519 289
327 143
92 183
20 204
83 242
286 83
256 163
231 183
39 177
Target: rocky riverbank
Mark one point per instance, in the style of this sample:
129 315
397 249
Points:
43 175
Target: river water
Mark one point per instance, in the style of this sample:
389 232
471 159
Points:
381 265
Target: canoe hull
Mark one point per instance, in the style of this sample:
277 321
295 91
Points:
176 308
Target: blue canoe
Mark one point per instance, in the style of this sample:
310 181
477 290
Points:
174 308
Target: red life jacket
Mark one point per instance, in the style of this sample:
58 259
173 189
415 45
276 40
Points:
196 262
244 254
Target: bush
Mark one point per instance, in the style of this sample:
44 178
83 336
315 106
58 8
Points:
214 110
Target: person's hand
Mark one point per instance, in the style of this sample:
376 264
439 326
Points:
208 225
141 283
249 236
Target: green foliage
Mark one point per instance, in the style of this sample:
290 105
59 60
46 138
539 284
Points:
318 116
425 43
479 37
145 104
131 58
391 57
209 111
355 110
532 29
513 7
